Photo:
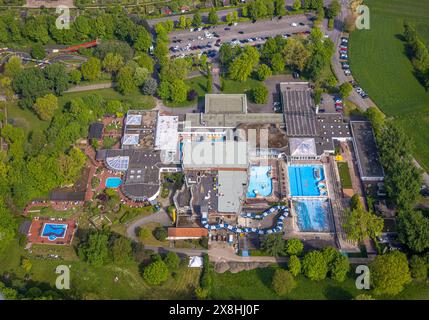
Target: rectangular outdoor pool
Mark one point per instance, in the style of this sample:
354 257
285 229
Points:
52 231
307 181
313 215
260 182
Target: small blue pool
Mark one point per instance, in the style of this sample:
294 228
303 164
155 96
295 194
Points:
113 182
313 215
260 182
307 181
54 230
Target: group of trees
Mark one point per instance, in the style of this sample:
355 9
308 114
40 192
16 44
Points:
111 24
418 53
172 75
361 224
160 268
317 265
102 247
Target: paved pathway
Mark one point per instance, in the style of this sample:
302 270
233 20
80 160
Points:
90 87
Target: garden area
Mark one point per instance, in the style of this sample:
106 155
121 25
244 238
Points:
343 170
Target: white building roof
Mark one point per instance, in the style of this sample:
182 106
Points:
167 136
302 147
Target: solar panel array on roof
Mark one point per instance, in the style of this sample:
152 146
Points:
131 139
118 163
133 120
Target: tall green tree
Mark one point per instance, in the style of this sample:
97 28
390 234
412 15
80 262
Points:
95 251
91 69
390 273
414 230
45 106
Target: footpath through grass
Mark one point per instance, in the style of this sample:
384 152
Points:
380 65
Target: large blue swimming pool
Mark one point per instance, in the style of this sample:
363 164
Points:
313 215
54 230
113 182
307 181
260 182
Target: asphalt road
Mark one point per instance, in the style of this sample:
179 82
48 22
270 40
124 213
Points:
265 28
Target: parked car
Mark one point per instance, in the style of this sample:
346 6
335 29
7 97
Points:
294 24
241 32
347 72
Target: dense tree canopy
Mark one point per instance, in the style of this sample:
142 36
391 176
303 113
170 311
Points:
390 273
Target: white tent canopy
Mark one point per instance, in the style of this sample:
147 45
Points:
195 262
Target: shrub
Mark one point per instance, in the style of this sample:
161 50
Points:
172 260
294 247
160 233
314 265
294 265
155 273
150 87
418 268
259 94
283 282
263 72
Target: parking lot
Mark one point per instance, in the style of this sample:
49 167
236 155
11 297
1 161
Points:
210 38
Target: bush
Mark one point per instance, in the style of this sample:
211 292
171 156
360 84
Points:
294 265
155 273
160 233
38 52
201 293
259 94
294 247
150 87
418 268
192 95
263 72
314 265
283 282
172 261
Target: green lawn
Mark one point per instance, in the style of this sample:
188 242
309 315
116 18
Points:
98 282
379 64
25 118
256 284
343 170
231 86
136 100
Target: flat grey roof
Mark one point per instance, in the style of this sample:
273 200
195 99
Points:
225 103
366 150
298 109
215 155
232 186
197 120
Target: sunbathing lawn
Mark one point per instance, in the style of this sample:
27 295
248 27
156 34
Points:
379 64
343 170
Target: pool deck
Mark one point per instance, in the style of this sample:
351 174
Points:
35 233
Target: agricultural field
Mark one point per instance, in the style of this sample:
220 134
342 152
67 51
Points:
381 67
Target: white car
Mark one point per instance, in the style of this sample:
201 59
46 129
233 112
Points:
294 24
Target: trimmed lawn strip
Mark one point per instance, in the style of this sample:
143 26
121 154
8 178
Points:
343 170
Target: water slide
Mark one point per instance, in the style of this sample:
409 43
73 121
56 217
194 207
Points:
279 226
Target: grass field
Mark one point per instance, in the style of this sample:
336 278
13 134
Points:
256 284
343 170
379 64
231 86
98 282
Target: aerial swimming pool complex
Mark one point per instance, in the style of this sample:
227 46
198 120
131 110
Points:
307 181
260 182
